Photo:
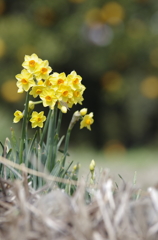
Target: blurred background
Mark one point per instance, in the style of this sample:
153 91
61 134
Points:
113 45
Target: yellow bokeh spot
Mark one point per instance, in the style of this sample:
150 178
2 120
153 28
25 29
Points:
93 16
112 81
114 147
112 13
9 91
2 48
154 57
149 87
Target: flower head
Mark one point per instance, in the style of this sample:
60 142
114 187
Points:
37 119
25 80
77 95
31 62
74 80
43 70
65 93
87 121
17 116
36 90
56 80
48 97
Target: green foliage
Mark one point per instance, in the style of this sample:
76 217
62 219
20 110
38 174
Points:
41 153
58 93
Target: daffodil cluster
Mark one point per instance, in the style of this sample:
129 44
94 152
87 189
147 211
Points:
53 89
50 88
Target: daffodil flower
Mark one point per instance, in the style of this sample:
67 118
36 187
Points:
31 62
36 90
56 79
74 80
25 80
43 70
87 121
18 115
49 98
37 119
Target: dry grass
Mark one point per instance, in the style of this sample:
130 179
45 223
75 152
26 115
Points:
111 214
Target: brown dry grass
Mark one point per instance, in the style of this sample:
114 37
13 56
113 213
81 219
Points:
112 213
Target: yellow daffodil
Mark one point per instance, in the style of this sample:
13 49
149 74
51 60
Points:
56 80
31 62
43 70
48 97
74 80
18 115
37 119
87 121
65 93
25 80
77 95
37 90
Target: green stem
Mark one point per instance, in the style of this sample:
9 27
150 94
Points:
45 127
24 129
54 144
50 126
67 140
59 122
51 140
74 119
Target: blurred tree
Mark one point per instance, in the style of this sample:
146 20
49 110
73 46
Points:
113 45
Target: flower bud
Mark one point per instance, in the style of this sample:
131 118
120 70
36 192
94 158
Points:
77 114
92 165
76 167
31 105
83 111
63 109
